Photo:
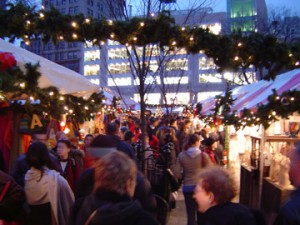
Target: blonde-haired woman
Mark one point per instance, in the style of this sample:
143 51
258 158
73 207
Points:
189 163
214 192
111 201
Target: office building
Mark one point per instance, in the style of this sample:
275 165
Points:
246 15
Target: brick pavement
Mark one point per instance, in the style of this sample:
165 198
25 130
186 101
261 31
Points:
178 215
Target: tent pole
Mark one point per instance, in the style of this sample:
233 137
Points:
261 163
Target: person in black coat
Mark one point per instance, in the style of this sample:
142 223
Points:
100 146
215 203
112 202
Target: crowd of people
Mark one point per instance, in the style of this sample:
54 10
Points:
102 183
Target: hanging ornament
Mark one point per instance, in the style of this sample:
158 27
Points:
7 60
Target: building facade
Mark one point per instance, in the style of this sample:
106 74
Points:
246 15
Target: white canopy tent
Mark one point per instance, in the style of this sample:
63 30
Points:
65 80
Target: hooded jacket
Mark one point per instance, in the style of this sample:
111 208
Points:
112 209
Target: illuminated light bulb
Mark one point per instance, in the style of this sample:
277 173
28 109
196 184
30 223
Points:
74 24
191 38
135 38
277 97
236 58
102 42
86 108
78 103
28 22
70 111
142 24
27 42
126 44
51 93
93 100
292 98
61 98
87 20
66 108
297 63
110 22
183 28
174 43
240 44
22 85
25 36
74 36
61 38
274 113
62 124
152 14
257 119
92 114
67 130
112 35
290 55
42 15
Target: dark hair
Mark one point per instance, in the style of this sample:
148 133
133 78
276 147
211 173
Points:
67 142
191 140
128 135
37 156
112 128
88 135
103 141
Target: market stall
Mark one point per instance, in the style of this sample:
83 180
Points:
262 151
56 85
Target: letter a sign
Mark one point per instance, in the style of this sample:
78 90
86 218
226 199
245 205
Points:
35 121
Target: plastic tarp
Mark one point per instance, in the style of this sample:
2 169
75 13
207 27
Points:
65 80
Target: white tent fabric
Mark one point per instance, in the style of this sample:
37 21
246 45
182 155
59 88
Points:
65 80
249 96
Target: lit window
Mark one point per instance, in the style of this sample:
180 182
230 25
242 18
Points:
210 78
92 55
91 70
123 81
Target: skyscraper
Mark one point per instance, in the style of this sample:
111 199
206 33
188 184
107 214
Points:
246 15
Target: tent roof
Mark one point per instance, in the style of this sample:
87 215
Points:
249 96
65 80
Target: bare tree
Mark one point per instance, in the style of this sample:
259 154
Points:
141 57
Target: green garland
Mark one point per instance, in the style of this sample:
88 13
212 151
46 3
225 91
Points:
230 52
16 85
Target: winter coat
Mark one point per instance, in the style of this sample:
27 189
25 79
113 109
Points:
12 202
112 209
289 214
227 214
143 191
71 172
